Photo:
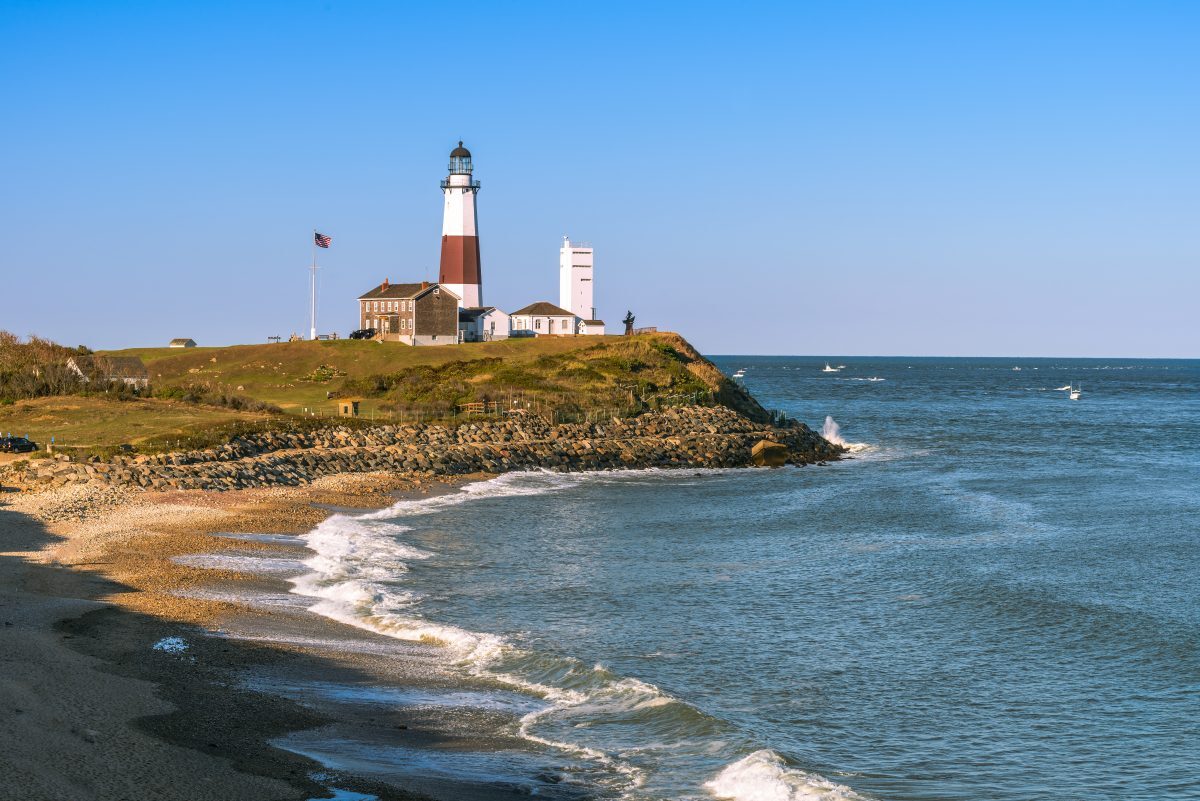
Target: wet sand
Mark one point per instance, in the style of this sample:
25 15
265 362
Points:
91 580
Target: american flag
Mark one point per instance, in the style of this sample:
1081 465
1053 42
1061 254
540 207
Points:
322 240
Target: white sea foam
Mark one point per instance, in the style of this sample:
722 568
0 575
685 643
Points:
763 776
833 432
171 645
357 561
355 567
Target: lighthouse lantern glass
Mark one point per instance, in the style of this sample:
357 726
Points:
460 165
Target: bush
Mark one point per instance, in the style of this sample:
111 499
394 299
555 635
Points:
214 395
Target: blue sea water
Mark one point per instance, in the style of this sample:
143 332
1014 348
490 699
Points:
995 598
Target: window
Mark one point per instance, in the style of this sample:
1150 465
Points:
537 324
565 324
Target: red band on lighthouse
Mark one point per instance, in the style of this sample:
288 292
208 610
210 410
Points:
460 260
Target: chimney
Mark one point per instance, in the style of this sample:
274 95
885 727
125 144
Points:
424 285
385 285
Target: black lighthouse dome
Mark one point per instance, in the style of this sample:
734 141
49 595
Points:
460 160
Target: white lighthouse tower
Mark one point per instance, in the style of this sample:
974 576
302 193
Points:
460 271
575 279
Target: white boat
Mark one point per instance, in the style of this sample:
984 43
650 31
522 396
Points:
828 369
876 378
1074 393
1016 369
740 374
1067 388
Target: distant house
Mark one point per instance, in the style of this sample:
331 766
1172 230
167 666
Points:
543 319
483 324
418 314
182 343
590 327
128 370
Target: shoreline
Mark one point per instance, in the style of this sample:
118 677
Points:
102 561
88 584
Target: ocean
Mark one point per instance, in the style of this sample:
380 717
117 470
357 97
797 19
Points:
996 597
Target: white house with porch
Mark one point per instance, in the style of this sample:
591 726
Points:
543 319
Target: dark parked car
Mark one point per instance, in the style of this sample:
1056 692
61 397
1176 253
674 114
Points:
17 445
363 333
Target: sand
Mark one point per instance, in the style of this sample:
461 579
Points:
91 711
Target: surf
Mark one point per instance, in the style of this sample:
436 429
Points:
587 711
833 433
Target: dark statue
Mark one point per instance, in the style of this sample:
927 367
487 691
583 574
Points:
629 318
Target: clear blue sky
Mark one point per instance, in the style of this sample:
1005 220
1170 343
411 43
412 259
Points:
958 178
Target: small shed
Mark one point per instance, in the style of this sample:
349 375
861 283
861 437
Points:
182 343
591 327
348 407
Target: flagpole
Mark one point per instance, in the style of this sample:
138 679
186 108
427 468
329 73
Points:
313 300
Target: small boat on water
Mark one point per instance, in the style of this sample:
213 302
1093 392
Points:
1067 388
876 378
828 369
740 374
1074 392
1016 369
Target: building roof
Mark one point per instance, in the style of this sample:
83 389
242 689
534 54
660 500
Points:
545 309
111 366
389 290
473 312
460 151
593 322
182 341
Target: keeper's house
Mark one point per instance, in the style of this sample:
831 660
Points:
416 314
542 319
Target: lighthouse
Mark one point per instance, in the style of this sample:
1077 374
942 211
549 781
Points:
460 271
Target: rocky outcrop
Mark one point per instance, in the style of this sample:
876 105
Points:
691 436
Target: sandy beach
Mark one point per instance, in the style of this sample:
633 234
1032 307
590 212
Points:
91 579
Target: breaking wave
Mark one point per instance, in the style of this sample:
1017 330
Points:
764 776
833 432
356 568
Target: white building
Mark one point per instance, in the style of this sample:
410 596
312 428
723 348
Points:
575 287
543 319
575 261
483 324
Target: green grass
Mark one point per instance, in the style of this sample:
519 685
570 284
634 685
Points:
567 377
282 373
97 424
579 373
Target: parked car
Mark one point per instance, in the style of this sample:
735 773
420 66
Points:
17 445
363 333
